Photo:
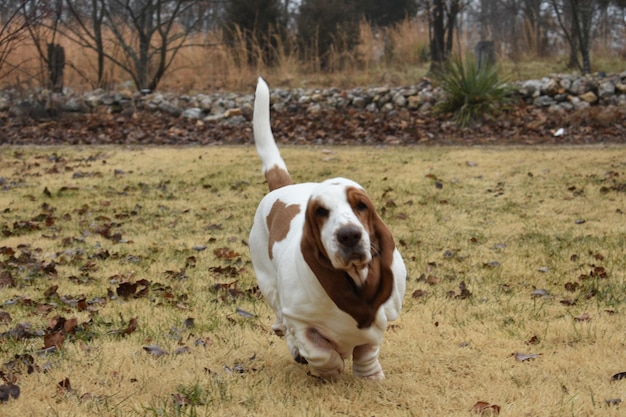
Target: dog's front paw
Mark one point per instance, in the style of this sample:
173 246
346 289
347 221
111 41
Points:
279 329
325 376
378 376
299 358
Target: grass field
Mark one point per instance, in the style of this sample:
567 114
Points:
126 286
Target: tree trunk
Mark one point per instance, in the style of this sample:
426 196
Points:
56 65
437 41
452 13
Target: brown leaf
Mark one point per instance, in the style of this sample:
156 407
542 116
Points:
126 289
229 271
225 253
419 293
534 340
432 280
465 293
486 409
583 317
132 326
5 317
180 399
53 339
70 325
51 291
9 391
6 279
64 386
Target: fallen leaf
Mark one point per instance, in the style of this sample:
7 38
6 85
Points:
70 325
53 340
5 317
126 289
244 313
419 293
432 280
225 253
65 386
486 409
534 340
6 279
155 350
583 317
9 391
132 326
181 350
180 399
203 342
465 293
523 357
228 270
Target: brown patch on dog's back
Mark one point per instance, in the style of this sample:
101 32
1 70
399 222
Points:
277 178
278 222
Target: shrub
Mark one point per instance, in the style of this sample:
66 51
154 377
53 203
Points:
471 93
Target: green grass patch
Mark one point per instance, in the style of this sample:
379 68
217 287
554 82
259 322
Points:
126 286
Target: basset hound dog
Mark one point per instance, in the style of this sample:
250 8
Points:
325 262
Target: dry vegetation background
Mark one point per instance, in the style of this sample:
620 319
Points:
127 287
392 56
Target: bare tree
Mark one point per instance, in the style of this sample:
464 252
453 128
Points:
42 19
442 18
576 29
13 29
149 35
84 27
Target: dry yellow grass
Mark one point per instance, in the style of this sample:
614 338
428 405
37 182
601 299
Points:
505 221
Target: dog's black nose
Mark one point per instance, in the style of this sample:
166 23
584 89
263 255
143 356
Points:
349 236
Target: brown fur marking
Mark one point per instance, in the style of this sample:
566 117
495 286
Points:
278 222
277 177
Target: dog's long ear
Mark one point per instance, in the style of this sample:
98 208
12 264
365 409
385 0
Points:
379 284
336 283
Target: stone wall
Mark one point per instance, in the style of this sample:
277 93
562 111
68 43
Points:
555 93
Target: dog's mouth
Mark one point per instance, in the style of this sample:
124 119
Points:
358 272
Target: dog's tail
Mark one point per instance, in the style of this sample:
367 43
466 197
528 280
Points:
274 167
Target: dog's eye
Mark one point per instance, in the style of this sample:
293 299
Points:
361 206
321 212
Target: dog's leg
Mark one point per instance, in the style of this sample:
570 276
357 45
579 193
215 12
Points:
320 353
365 363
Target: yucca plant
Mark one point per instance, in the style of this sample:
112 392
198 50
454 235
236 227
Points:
471 93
